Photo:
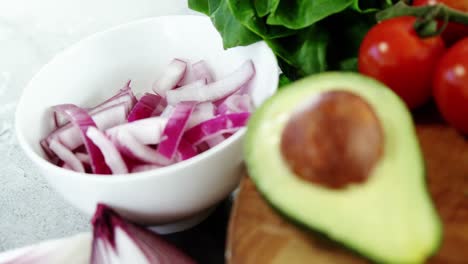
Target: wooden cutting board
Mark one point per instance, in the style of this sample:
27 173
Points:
258 235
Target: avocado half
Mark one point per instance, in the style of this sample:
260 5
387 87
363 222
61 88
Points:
389 218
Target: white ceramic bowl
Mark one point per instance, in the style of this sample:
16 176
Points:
96 68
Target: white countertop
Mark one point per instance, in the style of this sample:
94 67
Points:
31 33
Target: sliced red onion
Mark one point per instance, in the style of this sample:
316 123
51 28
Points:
145 107
217 126
202 112
125 96
66 156
75 249
167 111
81 119
118 241
186 150
174 130
236 103
69 135
129 146
147 131
215 140
171 76
145 167
201 71
112 156
83 157
216 90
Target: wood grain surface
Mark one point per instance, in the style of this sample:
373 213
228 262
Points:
258 235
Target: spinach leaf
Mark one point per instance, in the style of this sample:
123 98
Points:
199 5
244 12
303 53
265 7
233 32
297 14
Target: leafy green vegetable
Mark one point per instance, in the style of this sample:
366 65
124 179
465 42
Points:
307 36
265 7
297 14
244 12
233 32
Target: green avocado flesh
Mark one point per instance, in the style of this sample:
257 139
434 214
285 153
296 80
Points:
390 217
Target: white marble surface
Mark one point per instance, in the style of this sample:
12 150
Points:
31 33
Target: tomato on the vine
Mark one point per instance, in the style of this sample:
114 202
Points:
451 86
393 53
454 31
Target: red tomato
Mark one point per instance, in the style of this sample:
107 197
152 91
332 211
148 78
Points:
393 53
454 31
451 86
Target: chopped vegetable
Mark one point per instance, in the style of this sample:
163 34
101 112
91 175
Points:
81 119
171 77
111 154
145 107
191 113
216 90
219 125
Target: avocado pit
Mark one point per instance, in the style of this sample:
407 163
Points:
334 140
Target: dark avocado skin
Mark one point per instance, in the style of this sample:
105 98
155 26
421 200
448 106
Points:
311 229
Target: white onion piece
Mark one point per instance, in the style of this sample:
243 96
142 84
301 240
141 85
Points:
111 154
69 135
66 156
71 250
148 131
202 112
216 90
201 71
171 76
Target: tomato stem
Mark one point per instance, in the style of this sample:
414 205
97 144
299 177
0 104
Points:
442 12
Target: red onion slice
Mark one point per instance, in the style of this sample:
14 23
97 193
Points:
124 96
202 112
129 146
147 131
145 107
174 130
236 103
186 150
216 90
216 126
118 241
70 159
69 135
83 157
81 119
112 156
201 71
171 76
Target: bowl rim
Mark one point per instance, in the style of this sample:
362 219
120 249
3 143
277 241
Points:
134 176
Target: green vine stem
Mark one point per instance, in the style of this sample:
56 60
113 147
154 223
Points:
443 12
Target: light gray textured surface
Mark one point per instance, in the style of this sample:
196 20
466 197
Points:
31 32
